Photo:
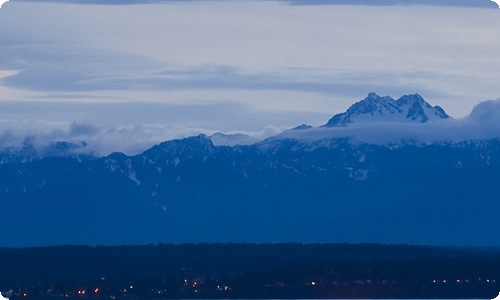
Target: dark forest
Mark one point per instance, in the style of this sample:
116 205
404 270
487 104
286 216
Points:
230 271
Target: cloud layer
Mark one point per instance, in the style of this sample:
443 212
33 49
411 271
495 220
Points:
110 127
179 52
483 123
460 3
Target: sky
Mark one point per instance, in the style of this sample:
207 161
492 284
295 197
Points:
127 74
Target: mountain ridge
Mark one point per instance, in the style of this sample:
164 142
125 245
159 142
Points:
281 189
178 192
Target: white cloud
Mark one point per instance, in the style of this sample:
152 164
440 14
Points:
458 3
129 127
448 52
482 123
101 141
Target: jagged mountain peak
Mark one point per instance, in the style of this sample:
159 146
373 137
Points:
375 108
419 109
411 99
200 144
302 127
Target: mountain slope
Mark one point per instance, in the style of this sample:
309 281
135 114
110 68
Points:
191 191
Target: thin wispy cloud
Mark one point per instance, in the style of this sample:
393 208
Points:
460 3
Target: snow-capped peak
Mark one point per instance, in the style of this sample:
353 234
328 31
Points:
417 109
374 108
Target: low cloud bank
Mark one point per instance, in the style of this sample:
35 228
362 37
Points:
101 141
483 123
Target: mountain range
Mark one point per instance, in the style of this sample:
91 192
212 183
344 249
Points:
282 189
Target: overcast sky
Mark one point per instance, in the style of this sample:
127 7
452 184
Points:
134 73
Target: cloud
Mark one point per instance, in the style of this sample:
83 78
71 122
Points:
486 112
131 73
101 141
484 120
58 67
132 127
185 53
130 139
77 129
482 123
463 3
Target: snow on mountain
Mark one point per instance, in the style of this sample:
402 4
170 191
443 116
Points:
381 121
354 183
24 153
291 192
30 151
374 108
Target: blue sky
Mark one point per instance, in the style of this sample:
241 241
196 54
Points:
155 70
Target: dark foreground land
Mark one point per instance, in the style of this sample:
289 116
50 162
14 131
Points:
230 271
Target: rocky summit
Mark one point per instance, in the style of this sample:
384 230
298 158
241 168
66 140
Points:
374 108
